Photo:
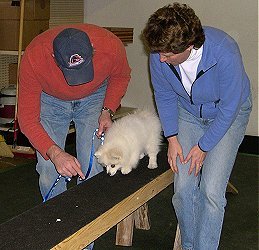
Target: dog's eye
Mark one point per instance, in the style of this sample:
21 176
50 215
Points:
112 166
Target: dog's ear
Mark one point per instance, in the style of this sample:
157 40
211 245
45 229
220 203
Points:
115 154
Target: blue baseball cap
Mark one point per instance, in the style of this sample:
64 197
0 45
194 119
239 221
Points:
73 53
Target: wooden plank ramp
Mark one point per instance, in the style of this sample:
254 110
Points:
83 213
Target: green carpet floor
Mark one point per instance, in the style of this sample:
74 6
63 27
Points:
19 191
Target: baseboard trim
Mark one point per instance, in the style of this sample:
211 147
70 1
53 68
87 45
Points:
249 145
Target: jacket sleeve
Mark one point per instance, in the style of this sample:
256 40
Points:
232 81
29 108
166 98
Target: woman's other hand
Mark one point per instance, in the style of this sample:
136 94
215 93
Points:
197 157
174 150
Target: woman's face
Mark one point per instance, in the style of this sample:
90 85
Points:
175 59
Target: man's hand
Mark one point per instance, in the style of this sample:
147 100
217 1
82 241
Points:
105 122
66 164
174 150
197 157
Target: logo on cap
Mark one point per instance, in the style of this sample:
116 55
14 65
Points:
75 60
73 53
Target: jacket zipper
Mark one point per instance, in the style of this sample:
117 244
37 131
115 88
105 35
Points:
179 78
197 77
201 111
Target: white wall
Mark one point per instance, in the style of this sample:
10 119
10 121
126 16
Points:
236 17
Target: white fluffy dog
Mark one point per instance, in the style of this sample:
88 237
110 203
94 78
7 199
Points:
129 139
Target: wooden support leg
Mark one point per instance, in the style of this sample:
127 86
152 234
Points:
141 218
231 188
124 234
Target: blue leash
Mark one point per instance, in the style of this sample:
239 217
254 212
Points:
92 153
68 179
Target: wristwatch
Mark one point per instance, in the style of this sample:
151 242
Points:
109 110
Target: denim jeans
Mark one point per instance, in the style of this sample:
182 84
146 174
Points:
56 116
199 202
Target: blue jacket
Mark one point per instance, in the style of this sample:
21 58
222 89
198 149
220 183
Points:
220 88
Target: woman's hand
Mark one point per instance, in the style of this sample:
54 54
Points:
174 150
66 164
105 122
197 157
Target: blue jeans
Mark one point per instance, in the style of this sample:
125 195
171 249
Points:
56 116
199 202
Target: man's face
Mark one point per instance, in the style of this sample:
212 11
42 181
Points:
175 59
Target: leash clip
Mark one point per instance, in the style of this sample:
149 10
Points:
101 138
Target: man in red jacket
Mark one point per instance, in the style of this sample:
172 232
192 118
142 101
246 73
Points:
73 73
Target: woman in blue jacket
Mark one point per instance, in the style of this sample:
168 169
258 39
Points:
203 98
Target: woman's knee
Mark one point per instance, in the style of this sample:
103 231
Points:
214 197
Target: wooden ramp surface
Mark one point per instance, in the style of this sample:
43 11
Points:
48 224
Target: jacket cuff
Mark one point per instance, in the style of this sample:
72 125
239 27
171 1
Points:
169 136
201 148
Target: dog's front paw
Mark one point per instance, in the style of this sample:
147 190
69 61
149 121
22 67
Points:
125 170
141 156
152 166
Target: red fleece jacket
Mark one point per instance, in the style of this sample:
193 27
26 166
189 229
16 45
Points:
39 73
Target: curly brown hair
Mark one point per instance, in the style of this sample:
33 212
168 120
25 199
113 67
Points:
173 28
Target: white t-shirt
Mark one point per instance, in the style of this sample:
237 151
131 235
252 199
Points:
189 67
